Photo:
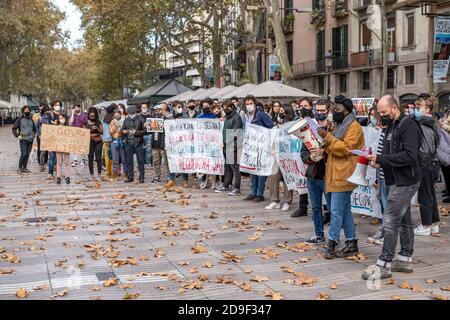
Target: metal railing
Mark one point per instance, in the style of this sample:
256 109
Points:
309 67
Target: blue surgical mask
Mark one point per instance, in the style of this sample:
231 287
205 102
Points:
417 113
373 121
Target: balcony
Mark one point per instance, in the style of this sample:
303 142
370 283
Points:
308 67
370 58
340 9
340 61
361 4
288 23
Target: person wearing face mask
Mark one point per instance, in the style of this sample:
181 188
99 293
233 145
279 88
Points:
284 115
232 129
274 111
315 176
260 118
158 148
238 107
296 107
306 108
191 112
374 118
106 137
62 157
95 147
24 129
429 213
341 163
147 147
78 119
117 146
133 131
400 162
42 155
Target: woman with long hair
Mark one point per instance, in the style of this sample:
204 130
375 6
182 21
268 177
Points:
62 157
95 147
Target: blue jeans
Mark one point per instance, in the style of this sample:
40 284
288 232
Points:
118 155
316 188
258 185
147 149
51 162
341 216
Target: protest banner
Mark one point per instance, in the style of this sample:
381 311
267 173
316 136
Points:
440 54
362 106
365 200
257 155
194 146
65 139
440 70
154 125
288 147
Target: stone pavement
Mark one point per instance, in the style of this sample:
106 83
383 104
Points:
115 241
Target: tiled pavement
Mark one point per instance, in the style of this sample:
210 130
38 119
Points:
157 236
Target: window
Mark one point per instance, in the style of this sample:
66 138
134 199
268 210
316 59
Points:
287 7
343 82
340 47
365 36
410 29
409 75
321 85
391 78
365 80
290 51
320 51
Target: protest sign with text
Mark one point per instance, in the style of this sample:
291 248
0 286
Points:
154 125
194 146
65 139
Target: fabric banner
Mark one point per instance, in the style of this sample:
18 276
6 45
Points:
440 70
365 199
257 155
65 139
287 155
194 146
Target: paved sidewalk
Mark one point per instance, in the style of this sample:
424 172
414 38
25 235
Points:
188 244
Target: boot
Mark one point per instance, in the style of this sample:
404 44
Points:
330 250
376 272
350 249
170 185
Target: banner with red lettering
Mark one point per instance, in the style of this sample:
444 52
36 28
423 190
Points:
194 146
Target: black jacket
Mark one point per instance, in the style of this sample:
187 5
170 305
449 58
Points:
232 122
400 156
314 170
136 123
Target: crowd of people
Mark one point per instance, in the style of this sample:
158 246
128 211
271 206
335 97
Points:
413 150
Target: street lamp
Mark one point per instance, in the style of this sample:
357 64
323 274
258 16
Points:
329 66
227 78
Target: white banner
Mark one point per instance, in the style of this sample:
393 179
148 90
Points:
440 70
288 147
257 157
194 146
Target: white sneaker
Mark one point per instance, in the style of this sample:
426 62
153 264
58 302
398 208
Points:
203 185
285 207
273 205
74 163
422 231
435 229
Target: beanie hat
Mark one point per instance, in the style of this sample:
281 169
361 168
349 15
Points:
346 102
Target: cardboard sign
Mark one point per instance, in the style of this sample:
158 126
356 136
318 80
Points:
154 125
65 139
194 146
289 160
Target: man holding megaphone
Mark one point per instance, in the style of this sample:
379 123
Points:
344 134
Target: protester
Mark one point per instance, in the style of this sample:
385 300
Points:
344 135
133 131
45 116
158 148
400 163
95 146
147 146
117 146
238 107
274 111
284 114
36 117
374 118
232 131
444 153
78 119
259 118
106 137
24 129
429 163
123 111
315 176
191 112
178 113
206 105
62 157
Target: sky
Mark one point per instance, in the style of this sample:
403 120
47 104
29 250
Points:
72 23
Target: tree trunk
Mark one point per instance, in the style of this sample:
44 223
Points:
384 47
216 48
252 68
274 16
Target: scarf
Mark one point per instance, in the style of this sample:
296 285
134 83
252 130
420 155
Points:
340 130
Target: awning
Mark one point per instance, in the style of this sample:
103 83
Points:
273 89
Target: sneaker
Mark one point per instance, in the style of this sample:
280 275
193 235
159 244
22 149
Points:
74 163
379 241
235 192
42 168
249 197
58 180
402 266
315 240
50 177
273 205
375 272
91 178
83 162
350 249
203 185
222 189
141 181
19 171
67 180
155 180
422 231
299 213
258 199
285 207
435 229
26 170
170 185
214 185
377 236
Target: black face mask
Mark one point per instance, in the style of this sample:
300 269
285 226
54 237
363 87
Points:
206 110
338 117
191 107
386 120
228 111
26 114
305 113
281 115
321 116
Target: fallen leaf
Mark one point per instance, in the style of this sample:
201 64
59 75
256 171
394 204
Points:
405 285
183 263
127 286
43 287
390 281
193 270
437 296
322 296
199 249
161 288
417 288
396 298
203 277
129 296
248 270
21 293
333 286
110 282
6 271
274 295
96 288
207 264
447 288
430 281
259 278
256 236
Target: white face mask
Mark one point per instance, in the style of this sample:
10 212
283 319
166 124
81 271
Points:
62 121
250 108
57 108
179 110
144 110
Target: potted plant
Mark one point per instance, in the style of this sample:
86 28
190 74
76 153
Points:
340 8
288 22
318 15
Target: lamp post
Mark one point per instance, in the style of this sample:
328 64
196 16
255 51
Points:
329 66
227 78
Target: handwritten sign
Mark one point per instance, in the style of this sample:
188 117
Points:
288 158
65 139
194 146
154 125
363 105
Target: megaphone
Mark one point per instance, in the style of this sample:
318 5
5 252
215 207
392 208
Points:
303 131
359 175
